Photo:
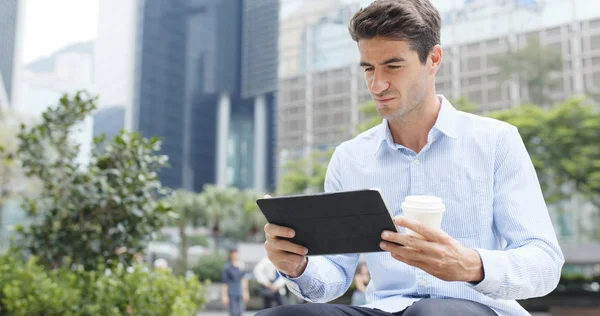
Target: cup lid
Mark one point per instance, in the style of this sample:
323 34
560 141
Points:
423 202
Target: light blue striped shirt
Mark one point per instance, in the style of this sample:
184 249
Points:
482 171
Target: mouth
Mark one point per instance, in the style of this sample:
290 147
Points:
383 101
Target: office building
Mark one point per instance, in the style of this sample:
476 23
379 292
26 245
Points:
11 26
108 121
202 76
333 95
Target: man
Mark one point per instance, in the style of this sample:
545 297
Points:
235 291
496 244
272 285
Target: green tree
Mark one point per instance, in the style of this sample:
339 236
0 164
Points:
533 65
296 180
463 104
188 209
220 207
369 117
253 217
562 142
106 210
13 181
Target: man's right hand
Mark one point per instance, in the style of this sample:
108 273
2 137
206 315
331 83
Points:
287 257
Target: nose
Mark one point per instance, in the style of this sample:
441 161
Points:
378 83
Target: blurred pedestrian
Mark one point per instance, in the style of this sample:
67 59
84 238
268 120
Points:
361 280
272 285
234 293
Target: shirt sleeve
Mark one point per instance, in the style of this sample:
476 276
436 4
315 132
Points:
531 262
226 275
326 277
259 272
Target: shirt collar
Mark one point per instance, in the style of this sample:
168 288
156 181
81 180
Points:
446 123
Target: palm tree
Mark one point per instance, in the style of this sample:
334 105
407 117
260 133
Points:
219 207
252 214
187 206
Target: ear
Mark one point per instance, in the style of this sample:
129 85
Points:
435 57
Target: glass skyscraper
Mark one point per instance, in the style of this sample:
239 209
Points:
8 48
203 76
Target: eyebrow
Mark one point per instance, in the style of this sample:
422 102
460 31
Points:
389 61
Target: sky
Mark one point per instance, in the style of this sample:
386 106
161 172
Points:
54 24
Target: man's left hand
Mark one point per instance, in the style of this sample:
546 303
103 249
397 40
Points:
438 254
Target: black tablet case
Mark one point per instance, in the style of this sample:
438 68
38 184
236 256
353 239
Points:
332 223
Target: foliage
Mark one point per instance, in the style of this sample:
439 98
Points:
463 104
297 180
12 177
562 142
227 212
186 205
107 209
30 289
534 66
210 267
199 240
369 116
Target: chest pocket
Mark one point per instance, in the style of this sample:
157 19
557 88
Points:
468 203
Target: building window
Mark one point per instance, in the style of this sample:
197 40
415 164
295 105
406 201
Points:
595 42
341 87
473 48
475 97
595 24
553 32
596 79
495 94
471 64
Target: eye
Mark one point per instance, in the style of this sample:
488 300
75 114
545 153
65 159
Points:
394 67
368 69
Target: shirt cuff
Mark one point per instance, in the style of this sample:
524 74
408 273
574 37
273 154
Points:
305 283
493 272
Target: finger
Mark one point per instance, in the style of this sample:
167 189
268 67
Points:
406 252
410 241
289 263
410 262
285 245
273 230
267 196
431 234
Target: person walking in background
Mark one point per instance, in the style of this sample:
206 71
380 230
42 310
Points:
361 280
272 285
234 293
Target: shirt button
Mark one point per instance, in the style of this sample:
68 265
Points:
417 162
423 282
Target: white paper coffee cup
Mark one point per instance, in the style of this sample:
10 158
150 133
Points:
428 210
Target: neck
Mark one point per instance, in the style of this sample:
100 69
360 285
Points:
412 129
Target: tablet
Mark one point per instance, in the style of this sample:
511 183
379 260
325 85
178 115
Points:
332 223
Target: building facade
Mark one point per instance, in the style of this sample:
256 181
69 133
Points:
10 49
201 75
325 103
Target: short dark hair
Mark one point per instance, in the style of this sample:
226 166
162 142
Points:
415 21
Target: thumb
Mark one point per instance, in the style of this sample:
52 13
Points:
267 196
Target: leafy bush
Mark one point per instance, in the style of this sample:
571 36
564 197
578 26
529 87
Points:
210 267
29 289
108 209
199 240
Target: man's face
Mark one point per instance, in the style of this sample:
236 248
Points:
233 256
397 80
